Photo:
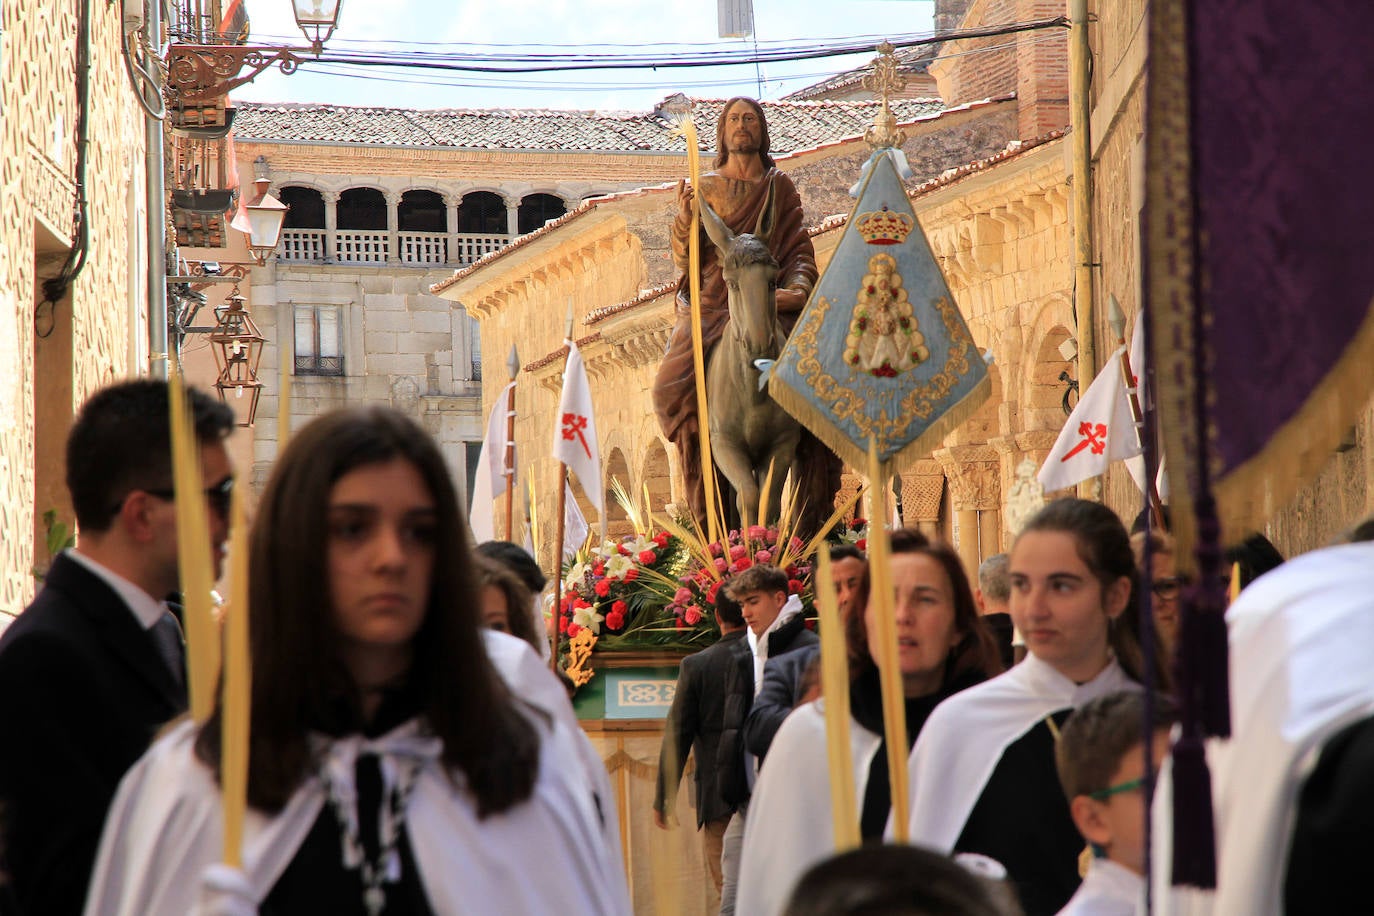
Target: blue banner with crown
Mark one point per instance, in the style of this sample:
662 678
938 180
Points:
881 351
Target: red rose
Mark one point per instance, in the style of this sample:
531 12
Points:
862 543
713 590
573 630
603 588
679 623
619 607
615 620
794 586
661 539
647 557
623 550
692 616
562 625
579 603
599 568
631 575
742 564
857 524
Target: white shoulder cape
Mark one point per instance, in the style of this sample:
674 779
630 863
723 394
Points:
1108 889
790 826
964 738
1301 671
549 854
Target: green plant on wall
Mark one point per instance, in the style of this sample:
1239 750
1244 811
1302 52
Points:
58 537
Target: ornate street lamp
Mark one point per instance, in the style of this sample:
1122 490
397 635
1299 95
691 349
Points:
237 345
266 215
317 19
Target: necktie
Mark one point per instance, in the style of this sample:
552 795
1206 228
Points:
166 634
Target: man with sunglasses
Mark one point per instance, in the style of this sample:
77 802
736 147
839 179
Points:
93 667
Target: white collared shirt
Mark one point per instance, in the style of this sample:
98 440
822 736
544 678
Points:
146 609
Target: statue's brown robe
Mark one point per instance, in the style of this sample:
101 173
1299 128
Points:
675 397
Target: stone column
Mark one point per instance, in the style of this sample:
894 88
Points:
393 242
923 490
331 225
451 202
512 214
974 477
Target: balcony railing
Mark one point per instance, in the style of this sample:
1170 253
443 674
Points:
353 246
357 246
302 245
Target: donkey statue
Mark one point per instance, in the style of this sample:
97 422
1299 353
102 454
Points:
750 432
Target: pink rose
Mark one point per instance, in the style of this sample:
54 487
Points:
682 595
738 551
721 565
757 532
693 616
763 556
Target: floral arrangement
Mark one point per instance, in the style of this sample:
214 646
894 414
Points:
619 591
853 532
709 570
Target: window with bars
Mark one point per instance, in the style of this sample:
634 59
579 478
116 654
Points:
319 340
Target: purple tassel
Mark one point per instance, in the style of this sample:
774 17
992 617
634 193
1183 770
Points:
1195 860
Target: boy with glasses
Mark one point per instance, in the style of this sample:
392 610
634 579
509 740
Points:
1101 762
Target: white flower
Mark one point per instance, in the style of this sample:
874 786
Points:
639 545
588 617
574 576
617 566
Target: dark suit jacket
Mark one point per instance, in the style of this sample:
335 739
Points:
739 700
85 691
777 697
695 722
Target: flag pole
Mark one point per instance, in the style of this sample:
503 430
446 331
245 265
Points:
1117 321
708 468
560 522
513 367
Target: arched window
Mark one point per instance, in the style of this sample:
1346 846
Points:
422 211
305 208
482 213
537 209
362 208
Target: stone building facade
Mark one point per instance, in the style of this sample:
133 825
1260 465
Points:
389 202
52 355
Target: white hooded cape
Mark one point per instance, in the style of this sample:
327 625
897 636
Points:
1300 641
963 740
791 825
165 828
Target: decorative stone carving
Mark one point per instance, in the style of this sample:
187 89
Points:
974 478
1025 496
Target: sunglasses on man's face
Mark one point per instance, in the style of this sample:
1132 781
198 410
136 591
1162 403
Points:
218 496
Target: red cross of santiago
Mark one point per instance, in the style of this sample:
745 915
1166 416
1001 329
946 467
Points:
1094 437
574 424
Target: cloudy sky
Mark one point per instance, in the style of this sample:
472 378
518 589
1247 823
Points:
554 26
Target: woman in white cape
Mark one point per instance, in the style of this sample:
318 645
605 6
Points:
983 776
391 769
943 647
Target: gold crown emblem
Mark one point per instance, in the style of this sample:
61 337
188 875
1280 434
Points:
883 227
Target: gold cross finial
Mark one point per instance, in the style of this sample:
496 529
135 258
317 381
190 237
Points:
884 80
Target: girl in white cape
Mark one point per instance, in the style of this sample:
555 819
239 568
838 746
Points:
391 770
983 776
943 647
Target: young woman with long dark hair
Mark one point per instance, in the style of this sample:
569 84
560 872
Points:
943 647
391 769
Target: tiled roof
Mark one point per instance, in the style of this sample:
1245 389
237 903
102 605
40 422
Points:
648 295
561 352
791 125
909 60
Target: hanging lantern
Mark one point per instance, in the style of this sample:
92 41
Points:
237 345
266 215
317 19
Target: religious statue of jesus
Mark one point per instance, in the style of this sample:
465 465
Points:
737 190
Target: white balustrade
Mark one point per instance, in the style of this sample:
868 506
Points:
302 245
472 247
423 247
358 246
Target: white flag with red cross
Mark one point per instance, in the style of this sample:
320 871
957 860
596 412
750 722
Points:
489 481
574 433
1099 431
1136 465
